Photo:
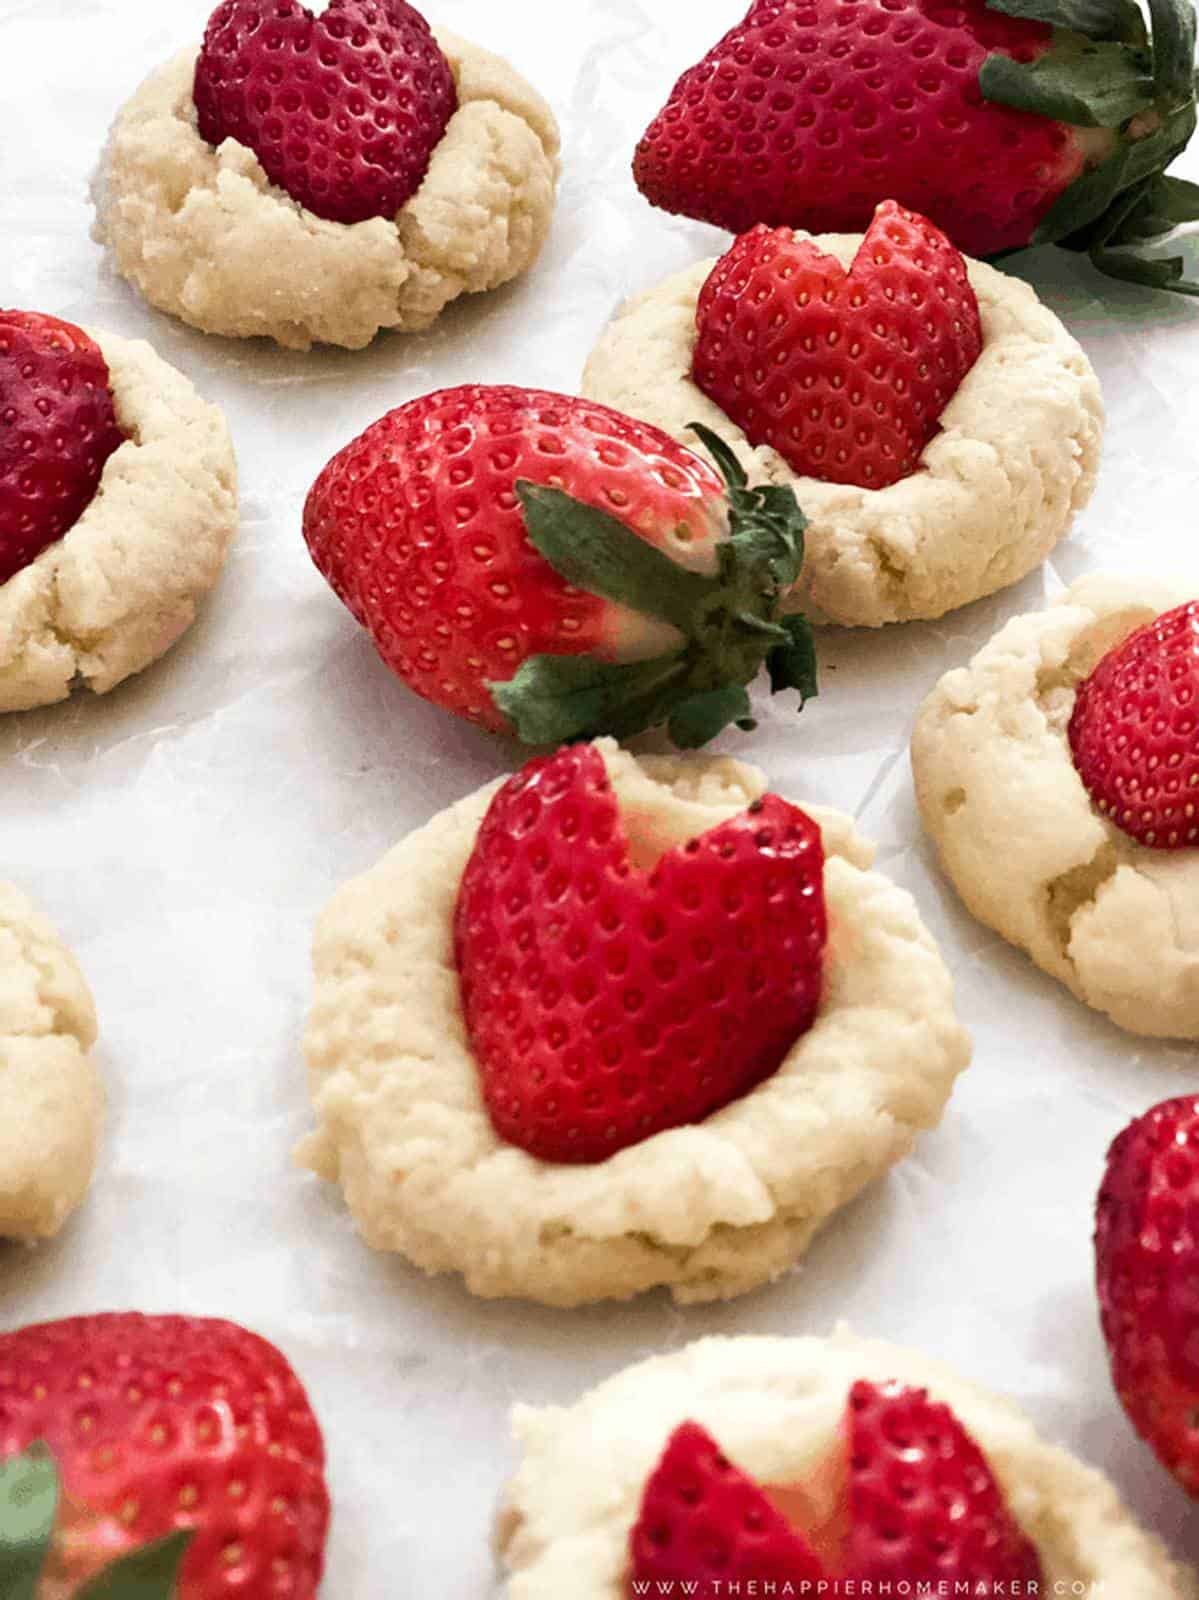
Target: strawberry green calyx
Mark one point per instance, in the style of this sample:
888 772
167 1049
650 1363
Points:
29 1504
730 623
1135 87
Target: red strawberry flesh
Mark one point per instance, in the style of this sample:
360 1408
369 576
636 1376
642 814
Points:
1147 1267
176 1422
606 1004
417 527
844 373
58 428
1133 732
343 110
919 1505
810 112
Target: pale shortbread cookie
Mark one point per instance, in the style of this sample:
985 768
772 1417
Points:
1018 834
50 1100
205 235
775 1407
711 1210
997 488
121 586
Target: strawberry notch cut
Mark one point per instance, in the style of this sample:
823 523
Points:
923 1507
605 1004
343 110
844 373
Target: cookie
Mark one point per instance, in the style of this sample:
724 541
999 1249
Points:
1019 836
1015 460
50 1099
775 1406
205 235
710 1210
124 583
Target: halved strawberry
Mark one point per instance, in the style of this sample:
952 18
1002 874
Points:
605 1003
923 1507
58 428
1147 1270
343 110
543 564
1134 732
845 374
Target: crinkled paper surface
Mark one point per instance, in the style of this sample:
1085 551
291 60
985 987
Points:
184 832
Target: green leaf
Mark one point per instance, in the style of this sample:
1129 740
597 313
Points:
698 720
1165 204
1155 272
1097 19
598 553
1087 84
148 1573
793 665
723 455
556 699
1173 24
28 1507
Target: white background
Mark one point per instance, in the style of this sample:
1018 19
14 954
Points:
184 832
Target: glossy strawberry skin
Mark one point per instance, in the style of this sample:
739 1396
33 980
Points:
845 374
605 1004
1133 732
417 527
704 1523
811 112
343 110
58 428
1147 1271
924 1505
176 1422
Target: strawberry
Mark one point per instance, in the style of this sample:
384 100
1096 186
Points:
605 1003
921 1507
704 1522
845 374
57 429
1009 124
157 1456
1133 732
343 110
546 565
1147 1270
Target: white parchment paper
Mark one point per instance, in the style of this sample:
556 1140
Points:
184 832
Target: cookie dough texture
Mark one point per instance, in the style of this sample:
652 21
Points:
50 1101
711 1210
1017 832
205 235
775 1406
1015 460
118 590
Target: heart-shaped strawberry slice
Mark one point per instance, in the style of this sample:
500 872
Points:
343 110
605 1003
845 374
918 1505
58 427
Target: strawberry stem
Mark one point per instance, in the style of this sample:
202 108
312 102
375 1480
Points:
729 623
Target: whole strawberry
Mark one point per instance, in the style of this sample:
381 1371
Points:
605 1004
172 1457
1134 732
544 564
845 374
1147 1270
58 427
343 110
1007 124
920 1506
